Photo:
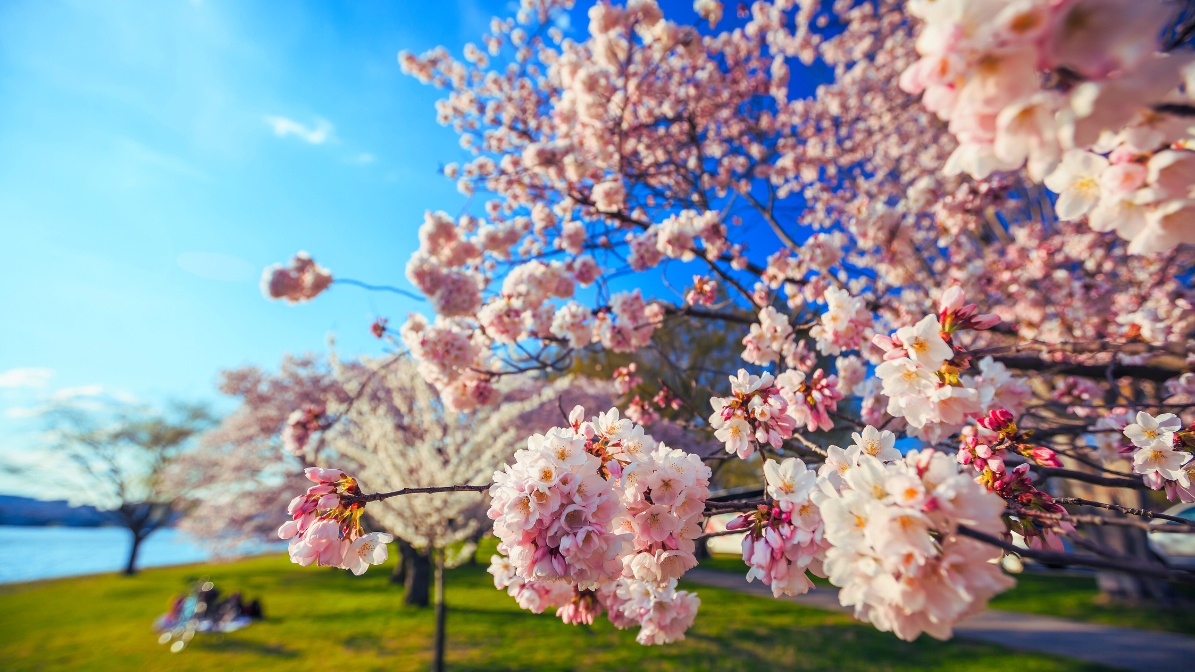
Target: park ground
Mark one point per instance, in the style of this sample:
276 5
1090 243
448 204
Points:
328 619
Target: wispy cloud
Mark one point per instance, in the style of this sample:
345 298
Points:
364 158
25 377
318 134
95 398
68 393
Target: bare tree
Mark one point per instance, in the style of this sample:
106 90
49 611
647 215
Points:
121 456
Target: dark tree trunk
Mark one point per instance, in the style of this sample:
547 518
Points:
130 567
399 575
441 612
418 578
701 550
1120 587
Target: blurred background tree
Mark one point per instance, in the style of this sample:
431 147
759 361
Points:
121 457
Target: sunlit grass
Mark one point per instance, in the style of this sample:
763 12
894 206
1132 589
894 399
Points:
328 619
1077 597
1066 595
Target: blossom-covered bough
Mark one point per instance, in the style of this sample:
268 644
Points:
850 228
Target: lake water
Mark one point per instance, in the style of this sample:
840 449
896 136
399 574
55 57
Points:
28 553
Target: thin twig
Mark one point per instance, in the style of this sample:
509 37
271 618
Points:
1095 479
379 496
1144 513
378 288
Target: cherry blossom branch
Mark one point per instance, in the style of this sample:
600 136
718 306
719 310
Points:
722 533
1092 519
1144 513
810 445
709 314
1097 371
379 288
1053 558
379 496
1094 479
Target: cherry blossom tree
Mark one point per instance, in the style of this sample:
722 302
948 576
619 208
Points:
974 231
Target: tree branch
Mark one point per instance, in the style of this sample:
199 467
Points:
1095 371
379 496
1144 513
1113 564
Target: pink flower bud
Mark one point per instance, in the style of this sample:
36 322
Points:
952 300
741 522
986 321
288 530
996 464
1154 480
320 475
883 342
1045 457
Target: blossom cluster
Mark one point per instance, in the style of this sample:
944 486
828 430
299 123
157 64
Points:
986 451
300 425
810 398
601 509
534 596
301 280
986 447
703 293
894 545
664 495
756 412
1163 454
324 530
449 354
1088 129
845 324
662 612
921 366
553 512
784 541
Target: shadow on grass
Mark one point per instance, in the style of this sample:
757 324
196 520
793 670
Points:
240 646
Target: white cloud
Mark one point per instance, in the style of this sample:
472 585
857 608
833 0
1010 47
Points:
94 398
25 377
364 158
318 134
68 393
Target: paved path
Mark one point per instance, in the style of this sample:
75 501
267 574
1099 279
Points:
1124 648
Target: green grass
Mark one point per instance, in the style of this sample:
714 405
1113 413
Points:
1064 595
1076 596
329 619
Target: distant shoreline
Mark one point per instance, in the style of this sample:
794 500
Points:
31 553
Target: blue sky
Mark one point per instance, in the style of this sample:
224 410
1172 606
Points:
159 153
149 177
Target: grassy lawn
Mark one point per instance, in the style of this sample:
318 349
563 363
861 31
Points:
329 619
1065 595
1075 596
